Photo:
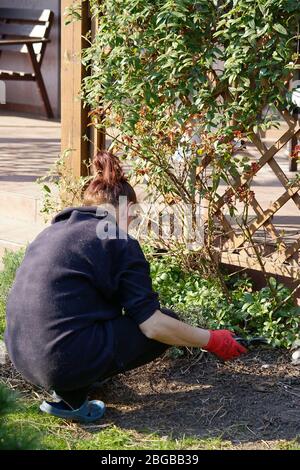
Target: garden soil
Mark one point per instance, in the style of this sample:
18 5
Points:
252 402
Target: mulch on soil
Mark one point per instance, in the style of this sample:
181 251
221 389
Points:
255 398
252 401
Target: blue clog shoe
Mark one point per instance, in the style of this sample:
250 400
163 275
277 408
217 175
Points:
90 411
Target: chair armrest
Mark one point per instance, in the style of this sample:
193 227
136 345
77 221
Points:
10 42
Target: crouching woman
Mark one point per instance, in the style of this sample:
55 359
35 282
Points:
82 308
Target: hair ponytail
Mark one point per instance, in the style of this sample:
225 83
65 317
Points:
109 182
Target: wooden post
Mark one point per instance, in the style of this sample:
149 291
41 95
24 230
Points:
73 116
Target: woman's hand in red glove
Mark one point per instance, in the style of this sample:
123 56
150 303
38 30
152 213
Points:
223 345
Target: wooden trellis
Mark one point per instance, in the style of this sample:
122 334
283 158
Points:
280 257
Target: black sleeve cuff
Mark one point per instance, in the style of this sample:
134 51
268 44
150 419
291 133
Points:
145 312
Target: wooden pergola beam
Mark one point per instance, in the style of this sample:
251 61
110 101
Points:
74 118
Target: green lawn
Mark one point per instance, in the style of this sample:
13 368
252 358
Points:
56 434
61 435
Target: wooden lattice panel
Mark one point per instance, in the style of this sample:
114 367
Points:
281 257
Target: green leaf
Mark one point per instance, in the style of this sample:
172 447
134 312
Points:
46 188
273 282
280 29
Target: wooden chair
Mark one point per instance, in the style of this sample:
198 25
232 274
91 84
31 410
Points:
27 31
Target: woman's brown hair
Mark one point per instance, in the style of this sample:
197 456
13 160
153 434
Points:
109 182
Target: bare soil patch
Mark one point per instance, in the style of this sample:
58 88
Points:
254 402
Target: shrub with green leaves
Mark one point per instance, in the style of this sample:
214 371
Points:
201 302
162 71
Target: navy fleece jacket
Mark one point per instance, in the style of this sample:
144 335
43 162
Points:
67 291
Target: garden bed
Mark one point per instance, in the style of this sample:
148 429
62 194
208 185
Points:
250 402
253 402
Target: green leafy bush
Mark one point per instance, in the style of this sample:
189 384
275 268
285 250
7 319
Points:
201 302
164 71
150 61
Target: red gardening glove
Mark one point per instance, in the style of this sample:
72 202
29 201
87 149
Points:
223 345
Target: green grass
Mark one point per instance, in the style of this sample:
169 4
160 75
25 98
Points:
60 435
56 434
289 445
